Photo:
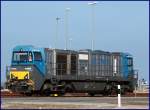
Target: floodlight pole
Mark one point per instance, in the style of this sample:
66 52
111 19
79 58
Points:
66 27
70 39
92 4
57 19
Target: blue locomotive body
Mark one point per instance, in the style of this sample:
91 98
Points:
59 71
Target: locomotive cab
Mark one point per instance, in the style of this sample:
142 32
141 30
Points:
27 62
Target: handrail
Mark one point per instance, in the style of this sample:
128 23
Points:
80 69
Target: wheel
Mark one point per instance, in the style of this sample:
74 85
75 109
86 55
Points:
28 93
46 93
105 93
113 92
46 89
68 88
107 90
61 94
91 94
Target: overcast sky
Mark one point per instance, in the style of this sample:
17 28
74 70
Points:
120 26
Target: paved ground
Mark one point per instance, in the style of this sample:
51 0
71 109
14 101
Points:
74 102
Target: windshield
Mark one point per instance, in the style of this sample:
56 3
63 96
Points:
22 56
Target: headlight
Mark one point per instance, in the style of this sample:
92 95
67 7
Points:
26 77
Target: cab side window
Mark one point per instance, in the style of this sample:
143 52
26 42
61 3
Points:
129 61
37 56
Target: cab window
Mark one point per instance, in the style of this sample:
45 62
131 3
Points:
129 61
37 56
22 56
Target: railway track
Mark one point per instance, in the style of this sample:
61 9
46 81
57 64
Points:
13 94
10 94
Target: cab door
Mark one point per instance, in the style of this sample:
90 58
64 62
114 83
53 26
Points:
39 62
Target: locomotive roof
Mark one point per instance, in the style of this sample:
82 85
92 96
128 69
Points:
61 50
94 51
32 48
26 48
121 53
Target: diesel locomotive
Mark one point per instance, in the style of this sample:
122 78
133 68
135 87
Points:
56 71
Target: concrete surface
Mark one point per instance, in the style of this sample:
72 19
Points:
74 103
